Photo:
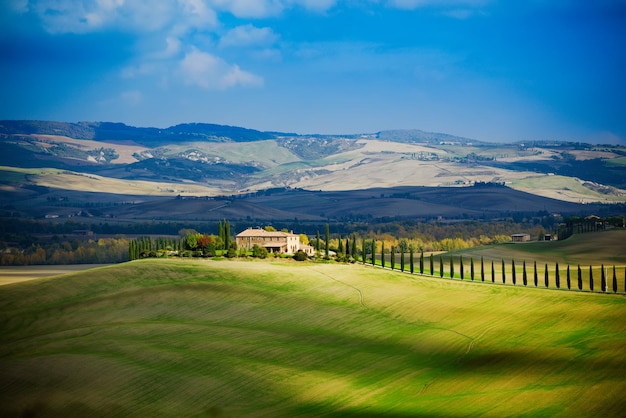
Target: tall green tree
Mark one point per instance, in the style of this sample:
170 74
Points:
393 257
602 280
462 268
557 277
441 266
354 250
535 274
451 267
432 264
590 279
545 276
569 281
382 255
472 268
226 234
524 275
317 241
614 280
401 258
340 247
411 260
363 249
580 278
493 273
373 252
220 233
514 274
422 262
503 273
482 269
327 239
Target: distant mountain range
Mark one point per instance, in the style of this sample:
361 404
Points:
44 159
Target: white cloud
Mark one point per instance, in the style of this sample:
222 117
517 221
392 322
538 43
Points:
213 73
416 4
267 8
249 35
132 97
82 16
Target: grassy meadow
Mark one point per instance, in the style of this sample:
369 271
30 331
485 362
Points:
165 337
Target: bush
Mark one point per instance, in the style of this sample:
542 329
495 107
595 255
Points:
231 253
300 256
259 252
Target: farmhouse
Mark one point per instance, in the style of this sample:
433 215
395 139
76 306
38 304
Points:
273 241
520 237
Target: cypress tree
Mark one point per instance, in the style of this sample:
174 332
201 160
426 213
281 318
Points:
327 243
514 276
602 280
226 234
393 257
545 276
482 269
503 273
422 262
472 268
340 247
363 250
373 252
441 266
580 278
220 233
411 260
493 273
558 277
451 267
569 283
524 276
347 247
401 258
462 269
614 280
590 279
432 264
382 255
535 274
354 251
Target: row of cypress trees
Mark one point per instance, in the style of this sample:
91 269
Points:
573 280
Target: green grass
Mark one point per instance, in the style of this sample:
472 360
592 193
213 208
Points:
278 338
606 247
618 162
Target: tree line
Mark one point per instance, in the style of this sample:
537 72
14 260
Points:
604 279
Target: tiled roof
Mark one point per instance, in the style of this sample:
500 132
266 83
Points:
258 232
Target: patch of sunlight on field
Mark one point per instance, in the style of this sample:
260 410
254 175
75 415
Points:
280 338
563 188
15 274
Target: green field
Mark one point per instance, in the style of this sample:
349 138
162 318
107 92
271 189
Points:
280 338
596 248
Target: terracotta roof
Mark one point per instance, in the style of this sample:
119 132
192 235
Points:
258 232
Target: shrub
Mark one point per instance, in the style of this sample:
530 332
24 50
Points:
259 252
300 256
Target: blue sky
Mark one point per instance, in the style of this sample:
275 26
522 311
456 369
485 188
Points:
485 69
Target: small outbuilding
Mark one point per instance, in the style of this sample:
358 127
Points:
520 237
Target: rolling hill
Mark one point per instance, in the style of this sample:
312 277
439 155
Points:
40 161
245 338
